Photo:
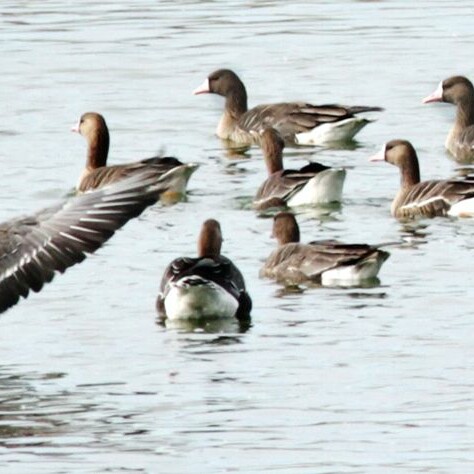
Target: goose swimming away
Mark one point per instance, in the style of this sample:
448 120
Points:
206 286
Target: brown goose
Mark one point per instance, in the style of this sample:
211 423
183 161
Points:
327 262
459 91
204 287
93 128
34 248
297 122
432 198
313 184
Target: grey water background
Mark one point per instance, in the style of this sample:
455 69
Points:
337 380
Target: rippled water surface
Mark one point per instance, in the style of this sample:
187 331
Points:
325 380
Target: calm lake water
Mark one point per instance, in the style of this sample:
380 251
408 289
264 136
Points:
325 380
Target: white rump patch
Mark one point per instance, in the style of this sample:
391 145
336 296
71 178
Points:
463 208
332 132
325 187
352 275
207 300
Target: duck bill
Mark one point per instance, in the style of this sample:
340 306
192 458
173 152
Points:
436 96
379 156
203 88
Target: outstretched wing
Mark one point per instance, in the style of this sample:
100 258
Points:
33 248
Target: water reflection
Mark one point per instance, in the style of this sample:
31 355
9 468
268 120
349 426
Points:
207 326
28 413
234 151
414 233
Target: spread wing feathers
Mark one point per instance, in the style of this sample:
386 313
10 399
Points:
33 248
284 184
296 262
110 174
435 198
290 118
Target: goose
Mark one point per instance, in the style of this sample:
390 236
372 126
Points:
299 123
453 197
93 128
206 286
313 184
459 91
35 247
326 262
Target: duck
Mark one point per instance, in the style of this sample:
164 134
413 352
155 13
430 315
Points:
312 184
299 123
325 262
34 248
459 91
93 127
448 197
206 286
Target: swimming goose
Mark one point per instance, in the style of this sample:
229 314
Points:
93 128
328 262
459 91
432 198
209 286
298 122
34 248
313 184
